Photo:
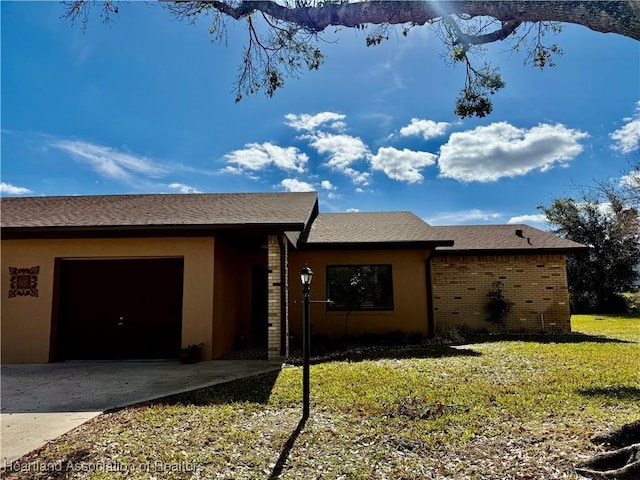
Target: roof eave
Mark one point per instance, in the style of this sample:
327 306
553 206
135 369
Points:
421 244
306 230
512 251
109 231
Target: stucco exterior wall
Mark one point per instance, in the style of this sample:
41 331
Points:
233 328
409 293
230 290
26 320
536 284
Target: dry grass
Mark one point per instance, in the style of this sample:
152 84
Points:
503 408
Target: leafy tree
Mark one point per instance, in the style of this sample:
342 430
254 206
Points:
610 228
282 36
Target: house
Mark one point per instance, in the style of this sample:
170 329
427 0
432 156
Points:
142 276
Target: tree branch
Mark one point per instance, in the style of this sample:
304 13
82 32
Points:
288 43
507 29
608 17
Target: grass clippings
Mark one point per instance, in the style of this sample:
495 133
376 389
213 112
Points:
498 408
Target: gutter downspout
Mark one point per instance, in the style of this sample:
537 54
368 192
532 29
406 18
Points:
431 322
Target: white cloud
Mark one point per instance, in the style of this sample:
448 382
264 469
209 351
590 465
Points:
293 185
9 189
309 123
359 178
258 156
110 162
463 217
402 165
628 137
234 170
426 128
327 185
486 154
352 210
342 150
538 219
631 179
182 188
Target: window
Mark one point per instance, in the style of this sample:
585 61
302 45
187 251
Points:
359 287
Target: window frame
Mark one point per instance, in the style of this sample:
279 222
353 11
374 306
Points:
381 284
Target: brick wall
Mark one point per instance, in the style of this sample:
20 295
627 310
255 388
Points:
286 298
274 307
536 284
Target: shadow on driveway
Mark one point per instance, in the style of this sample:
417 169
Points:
91 386
42 402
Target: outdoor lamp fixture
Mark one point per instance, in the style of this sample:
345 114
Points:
306 275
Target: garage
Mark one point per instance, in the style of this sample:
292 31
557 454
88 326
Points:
118 309
140 276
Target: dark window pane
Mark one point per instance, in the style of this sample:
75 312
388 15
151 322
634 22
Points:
359 287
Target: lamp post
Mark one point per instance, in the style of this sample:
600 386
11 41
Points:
306 275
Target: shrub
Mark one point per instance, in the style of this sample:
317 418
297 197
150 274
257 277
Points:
616 303
498 307
613 303
454 335
632 300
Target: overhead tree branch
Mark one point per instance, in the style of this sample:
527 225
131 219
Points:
602 16
288 43
507 29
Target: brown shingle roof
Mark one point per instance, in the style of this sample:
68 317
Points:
397 228
289 210
372 228
468 238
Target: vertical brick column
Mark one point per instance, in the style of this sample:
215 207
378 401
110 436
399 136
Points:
274 304
285 278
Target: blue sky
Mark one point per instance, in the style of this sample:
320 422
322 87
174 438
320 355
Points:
146 104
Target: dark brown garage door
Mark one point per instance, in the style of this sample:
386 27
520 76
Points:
119 309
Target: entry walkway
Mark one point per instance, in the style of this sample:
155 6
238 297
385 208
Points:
42 402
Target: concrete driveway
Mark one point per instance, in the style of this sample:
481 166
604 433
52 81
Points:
41 402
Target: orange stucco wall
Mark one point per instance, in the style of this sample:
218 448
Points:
226 299
409 293
232 298
26 321
535 284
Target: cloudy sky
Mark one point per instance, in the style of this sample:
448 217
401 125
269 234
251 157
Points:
146 104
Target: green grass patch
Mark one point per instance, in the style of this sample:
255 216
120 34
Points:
499 407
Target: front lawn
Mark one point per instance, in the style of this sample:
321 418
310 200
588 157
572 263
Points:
518 407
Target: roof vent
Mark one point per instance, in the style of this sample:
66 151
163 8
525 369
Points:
519 233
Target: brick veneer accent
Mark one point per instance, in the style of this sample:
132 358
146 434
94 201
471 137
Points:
275 304
536 284
286 297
